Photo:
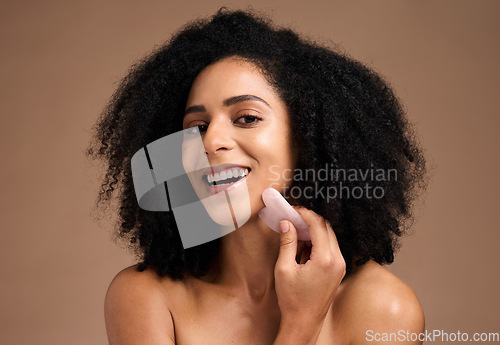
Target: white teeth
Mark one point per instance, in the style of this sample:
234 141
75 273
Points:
226 174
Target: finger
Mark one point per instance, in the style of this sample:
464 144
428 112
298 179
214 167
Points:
300 247
317 229
334 244
288 244
304 256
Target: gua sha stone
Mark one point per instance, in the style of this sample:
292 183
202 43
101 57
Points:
277 209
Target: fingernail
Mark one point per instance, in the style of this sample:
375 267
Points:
284 226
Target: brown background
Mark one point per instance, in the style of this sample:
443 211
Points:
61 60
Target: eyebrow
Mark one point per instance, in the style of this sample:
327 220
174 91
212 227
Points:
227 102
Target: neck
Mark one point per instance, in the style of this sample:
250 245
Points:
247 258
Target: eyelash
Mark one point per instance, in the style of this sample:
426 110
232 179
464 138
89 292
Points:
253 117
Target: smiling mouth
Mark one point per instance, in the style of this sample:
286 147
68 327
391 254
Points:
224 177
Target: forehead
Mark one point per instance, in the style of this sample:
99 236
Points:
229 77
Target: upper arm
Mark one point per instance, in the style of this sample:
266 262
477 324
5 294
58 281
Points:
136 311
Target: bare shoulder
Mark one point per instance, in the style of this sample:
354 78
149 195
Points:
378 302
136 309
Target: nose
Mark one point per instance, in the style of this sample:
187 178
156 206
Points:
218 137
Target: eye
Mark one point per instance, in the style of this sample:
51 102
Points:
248 119
197 129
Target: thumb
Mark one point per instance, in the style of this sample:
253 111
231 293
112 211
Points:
288 243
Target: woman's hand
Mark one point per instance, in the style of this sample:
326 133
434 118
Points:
307 289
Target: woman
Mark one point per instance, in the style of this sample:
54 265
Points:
297 107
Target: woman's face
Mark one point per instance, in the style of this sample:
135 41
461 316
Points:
245 130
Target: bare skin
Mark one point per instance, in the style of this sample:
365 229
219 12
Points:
257 293
142 308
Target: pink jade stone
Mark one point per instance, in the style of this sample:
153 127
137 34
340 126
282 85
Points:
277 209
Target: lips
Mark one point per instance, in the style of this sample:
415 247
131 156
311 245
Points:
224 176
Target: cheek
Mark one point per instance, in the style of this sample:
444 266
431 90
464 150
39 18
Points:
283 162
193 156
275 159
272 145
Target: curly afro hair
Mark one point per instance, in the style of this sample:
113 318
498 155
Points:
343 116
